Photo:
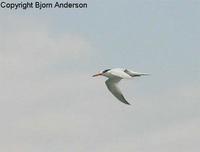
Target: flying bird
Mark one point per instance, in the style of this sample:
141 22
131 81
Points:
114 76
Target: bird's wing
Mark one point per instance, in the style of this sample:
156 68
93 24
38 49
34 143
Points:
119 73
134 74
112 87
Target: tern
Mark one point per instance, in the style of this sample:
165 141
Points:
114 76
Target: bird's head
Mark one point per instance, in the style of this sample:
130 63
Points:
102 73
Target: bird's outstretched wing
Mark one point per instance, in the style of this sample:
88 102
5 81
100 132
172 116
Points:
134 74
111 84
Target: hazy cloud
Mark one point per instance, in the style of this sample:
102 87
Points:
48 103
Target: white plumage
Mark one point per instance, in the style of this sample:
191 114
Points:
114 76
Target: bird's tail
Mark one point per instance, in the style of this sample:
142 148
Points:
141 74
144 74
135 74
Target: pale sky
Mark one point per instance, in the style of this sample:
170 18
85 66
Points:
50 103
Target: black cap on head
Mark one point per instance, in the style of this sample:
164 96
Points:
104 71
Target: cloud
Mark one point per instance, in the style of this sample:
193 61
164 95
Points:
189 92
43 109
32 95
180 136
27 45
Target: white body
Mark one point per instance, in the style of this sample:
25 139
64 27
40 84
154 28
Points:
114 76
